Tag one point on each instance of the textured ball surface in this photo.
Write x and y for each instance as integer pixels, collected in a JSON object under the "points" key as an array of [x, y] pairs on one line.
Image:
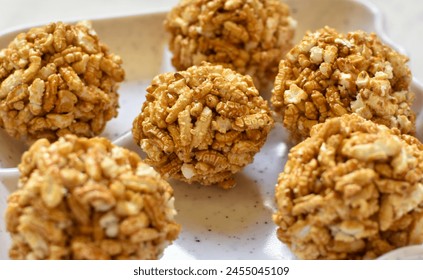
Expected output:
{"points": [[353, 190], [329, 74], [58, 79], [248, 36], [202, 125], [82, 198]]}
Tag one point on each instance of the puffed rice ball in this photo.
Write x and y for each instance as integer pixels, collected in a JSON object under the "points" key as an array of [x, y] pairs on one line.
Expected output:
{"points": [[329, 74], [202, 125], [249, 36], [82, 198], [353, 190], [58, 79]]}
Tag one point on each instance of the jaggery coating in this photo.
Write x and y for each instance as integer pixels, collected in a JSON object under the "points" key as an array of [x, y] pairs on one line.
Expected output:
{"points": [[58, 79], [202, 125], [250, 37], [329, 74], [353, 190], [81, 198]]}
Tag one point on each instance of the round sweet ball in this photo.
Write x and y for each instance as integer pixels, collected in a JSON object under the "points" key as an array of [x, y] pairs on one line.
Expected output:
{"points": [[81, 198], [329, 74], [202, 125], [249, 36], [353, 190], [58, 79]]}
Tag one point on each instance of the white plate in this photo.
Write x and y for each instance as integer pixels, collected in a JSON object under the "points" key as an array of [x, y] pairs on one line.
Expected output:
{"points": [[414, 252], [216, 224]]}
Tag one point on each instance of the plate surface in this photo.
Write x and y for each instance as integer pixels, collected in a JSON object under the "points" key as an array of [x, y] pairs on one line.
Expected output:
{"points": [[413, 252], [216, 224]]}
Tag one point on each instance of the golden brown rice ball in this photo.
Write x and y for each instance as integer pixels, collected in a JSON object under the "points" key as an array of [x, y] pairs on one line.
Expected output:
{"points": [[352, 190], [248, 36], [329, 74], [82, 198], [58, 79], [202, 125]]}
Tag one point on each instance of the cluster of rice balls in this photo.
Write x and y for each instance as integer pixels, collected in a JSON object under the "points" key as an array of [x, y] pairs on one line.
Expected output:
{"points": [[352, 189], [80, 196], [59, 83]]}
